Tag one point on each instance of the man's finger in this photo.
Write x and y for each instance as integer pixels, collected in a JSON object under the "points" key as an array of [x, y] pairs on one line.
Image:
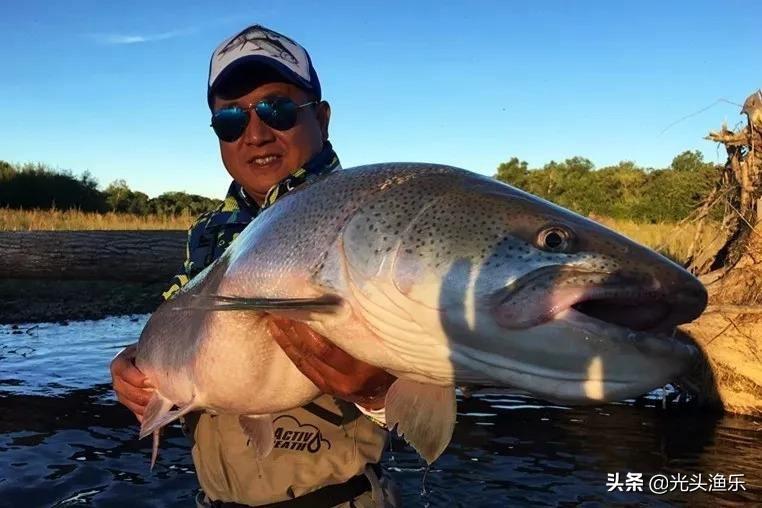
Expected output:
{"points": [[282, 332], [122, 385], [336, 383], [312, 344], [311, 341], [122, 367], [132, 393], [314, 375], [331, 369], [134, 377], [284, 340]]}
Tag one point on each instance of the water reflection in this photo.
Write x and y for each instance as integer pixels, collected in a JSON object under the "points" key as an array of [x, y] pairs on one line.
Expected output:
{"points": [[64, 441]]}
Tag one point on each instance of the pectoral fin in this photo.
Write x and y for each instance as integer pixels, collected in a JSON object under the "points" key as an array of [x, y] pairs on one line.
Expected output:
{"points": [[424, 415], [325, 303], [158, 413], [259, 429], [156, 416], [156, 408], [155, 447]]}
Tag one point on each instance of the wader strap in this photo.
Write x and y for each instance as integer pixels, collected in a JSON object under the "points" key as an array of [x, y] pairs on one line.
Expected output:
{"points": [[326, 497], [324, 414]]}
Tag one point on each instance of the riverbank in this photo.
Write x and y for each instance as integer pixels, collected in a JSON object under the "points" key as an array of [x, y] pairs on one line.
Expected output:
{"points": [[34, 301], [671, 239]]}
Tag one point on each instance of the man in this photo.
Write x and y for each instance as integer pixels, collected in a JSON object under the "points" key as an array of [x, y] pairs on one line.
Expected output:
{"points": [[273, 129]]}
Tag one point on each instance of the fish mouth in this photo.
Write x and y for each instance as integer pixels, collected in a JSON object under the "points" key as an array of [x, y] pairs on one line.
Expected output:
{"points": [[635, 301], [627, 313], [658, 312]]}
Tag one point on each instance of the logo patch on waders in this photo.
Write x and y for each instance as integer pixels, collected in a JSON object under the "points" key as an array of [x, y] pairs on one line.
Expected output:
{"points": [[291, 434]]}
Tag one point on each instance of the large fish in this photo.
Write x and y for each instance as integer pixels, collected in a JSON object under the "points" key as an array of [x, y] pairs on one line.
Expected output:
{"points": [[441, 277]]}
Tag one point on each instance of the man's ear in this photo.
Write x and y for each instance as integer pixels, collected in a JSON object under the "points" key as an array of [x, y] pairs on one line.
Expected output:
{"points": [[324, 118]]}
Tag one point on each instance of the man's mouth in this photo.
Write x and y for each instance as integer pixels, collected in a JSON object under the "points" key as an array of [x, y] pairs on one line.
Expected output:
{"points": [[264, 160]]}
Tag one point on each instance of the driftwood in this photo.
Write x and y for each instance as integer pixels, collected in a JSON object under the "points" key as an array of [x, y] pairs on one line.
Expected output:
{"points": [[135, 256], [730, 332], [740, 186]]}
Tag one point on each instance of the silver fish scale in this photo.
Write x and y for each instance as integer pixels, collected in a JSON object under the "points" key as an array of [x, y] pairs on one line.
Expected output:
{"points": [[405, 216], [461, 227], [295, 234]]}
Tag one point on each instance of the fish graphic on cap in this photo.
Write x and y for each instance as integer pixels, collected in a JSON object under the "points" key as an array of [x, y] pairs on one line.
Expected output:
{"points": [[263, 39]]}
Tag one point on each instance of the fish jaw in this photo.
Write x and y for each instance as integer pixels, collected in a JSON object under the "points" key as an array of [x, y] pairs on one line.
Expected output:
{"points": [[607, 336], [623, 363], [573, 359]]}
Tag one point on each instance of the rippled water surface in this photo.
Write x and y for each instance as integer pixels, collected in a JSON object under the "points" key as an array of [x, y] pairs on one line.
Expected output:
{"points": [[64, 441]]}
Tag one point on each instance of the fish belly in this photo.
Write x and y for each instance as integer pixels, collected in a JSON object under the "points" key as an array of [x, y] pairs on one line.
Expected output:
{"points": [[240, 369]]}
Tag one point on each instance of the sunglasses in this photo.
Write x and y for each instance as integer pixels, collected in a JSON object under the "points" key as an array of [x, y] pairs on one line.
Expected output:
{"points": [[278, 113]]}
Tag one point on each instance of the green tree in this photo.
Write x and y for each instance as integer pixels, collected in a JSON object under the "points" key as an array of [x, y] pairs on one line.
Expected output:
{"points": [[139, 204], [690, 161], [617, 190], [175, 203], [36, 185], [7, 171], [621, 191], [567, 183], [513, 172], [118, 196]]}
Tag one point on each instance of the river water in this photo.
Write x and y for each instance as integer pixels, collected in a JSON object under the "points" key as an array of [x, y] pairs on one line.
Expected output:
{"points": [[65, 441]]}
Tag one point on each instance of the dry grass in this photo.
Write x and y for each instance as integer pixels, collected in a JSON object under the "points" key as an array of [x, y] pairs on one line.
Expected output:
{"points": [[27, 220], [669, 239]]}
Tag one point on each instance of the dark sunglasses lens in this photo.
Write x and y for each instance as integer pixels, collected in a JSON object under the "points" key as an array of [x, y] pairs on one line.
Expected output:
{"points": [[230, 123], [280, 113]]}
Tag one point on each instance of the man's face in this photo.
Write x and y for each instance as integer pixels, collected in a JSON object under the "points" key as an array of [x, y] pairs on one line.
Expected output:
{"points": [[263, 156]]}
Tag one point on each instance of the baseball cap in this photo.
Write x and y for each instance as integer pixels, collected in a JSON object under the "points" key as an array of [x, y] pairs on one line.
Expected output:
{"points": [[255, 46]]}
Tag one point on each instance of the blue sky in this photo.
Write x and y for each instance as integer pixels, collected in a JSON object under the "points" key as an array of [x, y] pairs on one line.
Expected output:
{"points": [[119, 88]]}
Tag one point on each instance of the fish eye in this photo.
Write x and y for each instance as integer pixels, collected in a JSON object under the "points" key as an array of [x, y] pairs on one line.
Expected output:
{"points": [[555, 239]]}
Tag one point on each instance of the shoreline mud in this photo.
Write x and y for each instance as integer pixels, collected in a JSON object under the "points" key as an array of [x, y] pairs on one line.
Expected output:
{"points": [[37, 301]]}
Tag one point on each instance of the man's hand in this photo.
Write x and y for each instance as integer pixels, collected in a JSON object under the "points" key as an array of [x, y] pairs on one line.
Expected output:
{"points": [[330, 368], [131, 386]]}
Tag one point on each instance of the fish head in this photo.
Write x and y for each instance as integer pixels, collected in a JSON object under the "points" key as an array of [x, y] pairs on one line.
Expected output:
{"points": [[548, 301], [600, 309], [566, 266]]}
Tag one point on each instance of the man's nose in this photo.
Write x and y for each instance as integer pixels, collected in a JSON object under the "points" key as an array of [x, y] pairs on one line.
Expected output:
{"points": [[257, 132]]}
